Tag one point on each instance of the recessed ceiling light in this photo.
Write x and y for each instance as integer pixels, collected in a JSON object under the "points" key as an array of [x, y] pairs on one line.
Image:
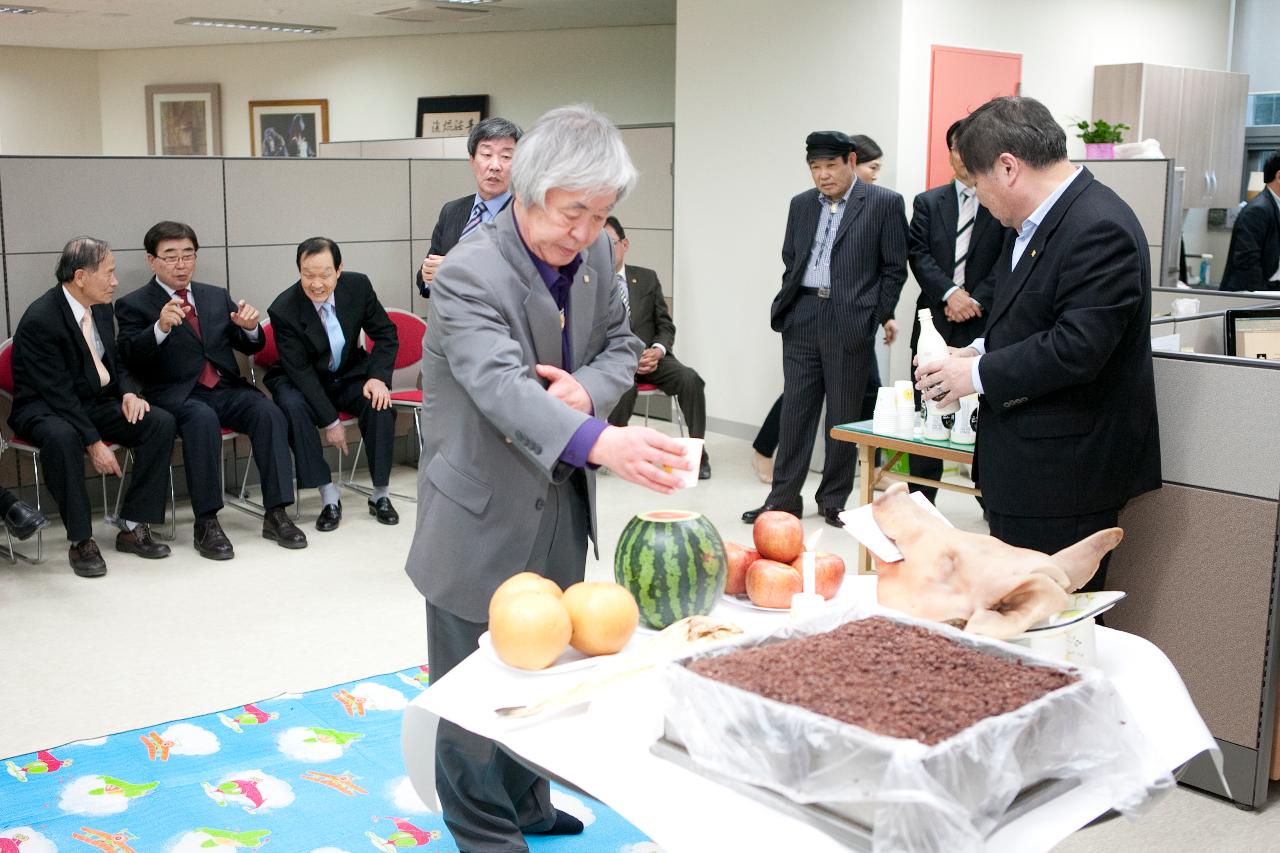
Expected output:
{"points": [[20, 10], [258, 26], [464, 2]]}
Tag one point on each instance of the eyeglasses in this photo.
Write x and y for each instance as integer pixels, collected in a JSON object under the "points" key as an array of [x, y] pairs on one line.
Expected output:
{"points": [[174, 260]]}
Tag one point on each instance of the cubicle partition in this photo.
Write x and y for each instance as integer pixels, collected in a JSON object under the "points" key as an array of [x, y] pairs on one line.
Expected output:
{"points": [[1210, 300]]}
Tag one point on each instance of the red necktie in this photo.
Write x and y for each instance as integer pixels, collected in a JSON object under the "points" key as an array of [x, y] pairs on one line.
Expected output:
{"points": [[208, 376]]}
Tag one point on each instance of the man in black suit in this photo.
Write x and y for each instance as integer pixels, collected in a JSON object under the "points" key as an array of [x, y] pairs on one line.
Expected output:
{"points": [[1253, 261], [491, 144], [323, 370], [72, 396], [952, 248], [845, 259], [1067, 428], [179, 336], [652, 324]]}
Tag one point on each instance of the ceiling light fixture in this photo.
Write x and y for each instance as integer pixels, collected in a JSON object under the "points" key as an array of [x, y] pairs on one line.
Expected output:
{"points": [[464, 2], [257, 26], [20, 10]]}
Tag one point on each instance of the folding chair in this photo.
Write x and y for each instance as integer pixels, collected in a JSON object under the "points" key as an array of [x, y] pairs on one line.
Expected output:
{"points": [[646, 390]]}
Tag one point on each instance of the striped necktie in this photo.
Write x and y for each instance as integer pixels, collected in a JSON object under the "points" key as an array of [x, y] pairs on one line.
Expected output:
{"points": [[477, 216], [622, 291], [964, 230]]}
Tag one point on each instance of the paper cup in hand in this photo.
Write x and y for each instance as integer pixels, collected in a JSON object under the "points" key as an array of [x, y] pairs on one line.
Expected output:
{"points": [[692, 452]]}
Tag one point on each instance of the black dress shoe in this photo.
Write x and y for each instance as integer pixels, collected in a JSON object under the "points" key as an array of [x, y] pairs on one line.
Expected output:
{"points": [[329, 517], [23, 521], [86, 559], [384, 511], [277, 527], [139, 541], [704, 468], [796, 509], [566, 824], [831, 514], [211, 542]]}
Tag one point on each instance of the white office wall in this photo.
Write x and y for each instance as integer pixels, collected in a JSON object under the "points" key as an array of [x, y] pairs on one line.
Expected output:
{"points": [[49, 101], [373, 84], [1254, 50]]}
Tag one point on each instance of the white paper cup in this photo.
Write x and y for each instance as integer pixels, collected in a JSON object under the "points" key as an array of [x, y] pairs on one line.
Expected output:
{"points": [[1185, 307], [692, 452]]}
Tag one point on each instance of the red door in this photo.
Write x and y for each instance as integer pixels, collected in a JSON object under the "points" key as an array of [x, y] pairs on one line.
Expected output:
{"points": [[962, 80]]}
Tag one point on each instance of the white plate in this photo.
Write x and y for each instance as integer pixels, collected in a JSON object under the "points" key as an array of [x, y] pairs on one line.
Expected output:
{"points": [[741, 600], [570, 660]]}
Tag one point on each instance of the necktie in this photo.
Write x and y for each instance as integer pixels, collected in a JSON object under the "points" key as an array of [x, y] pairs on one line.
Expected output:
{"points": [[964, 230], [477, 216], [337, 340], [626, 297], [209, 375], [86, 327]]}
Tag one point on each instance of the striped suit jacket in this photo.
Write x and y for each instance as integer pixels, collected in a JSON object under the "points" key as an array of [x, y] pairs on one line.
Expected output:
{"points": [[868, 260]]}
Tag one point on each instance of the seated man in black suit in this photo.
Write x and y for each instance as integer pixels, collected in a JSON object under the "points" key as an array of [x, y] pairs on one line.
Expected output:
{"points": [[1253, 261], [72, 396], [323, 370], [179, 336], [491, 145], [651, 323]]}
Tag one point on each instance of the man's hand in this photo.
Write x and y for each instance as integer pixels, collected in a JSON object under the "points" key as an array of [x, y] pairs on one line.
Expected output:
{"points": [[960, 306], [429, 265], [172, 314], [104, 461], [133, 407], [375, 391], [565, 388], [890, 330], [245, 316], [639, 454], [336, 436], [948, 379], [649, 360]]}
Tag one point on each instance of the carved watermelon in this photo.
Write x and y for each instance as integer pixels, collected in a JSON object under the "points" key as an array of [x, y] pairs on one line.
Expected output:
{"points": [[673, 562]]}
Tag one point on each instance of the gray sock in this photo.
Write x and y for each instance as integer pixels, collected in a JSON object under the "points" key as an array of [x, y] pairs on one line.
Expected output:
{"points": [[330, 494], [380, 492], [126, 525]]}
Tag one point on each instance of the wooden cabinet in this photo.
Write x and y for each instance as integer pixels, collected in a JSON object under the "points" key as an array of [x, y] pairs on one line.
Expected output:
{"points": [[1197, 115]]}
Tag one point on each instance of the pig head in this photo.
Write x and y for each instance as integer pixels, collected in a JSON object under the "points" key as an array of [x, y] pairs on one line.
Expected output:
{"points": [[976, 581]]}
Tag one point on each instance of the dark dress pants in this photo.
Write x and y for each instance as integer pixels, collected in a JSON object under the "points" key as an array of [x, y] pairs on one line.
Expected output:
{"points": [[766, 442], [376, 427], [1050, 535], [675, 380], [62, 456], [489, 799], [246, 410], [817, 364]]}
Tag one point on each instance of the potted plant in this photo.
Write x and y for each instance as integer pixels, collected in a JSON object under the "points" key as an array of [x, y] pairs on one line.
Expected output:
{"points": [[1100, 140]]}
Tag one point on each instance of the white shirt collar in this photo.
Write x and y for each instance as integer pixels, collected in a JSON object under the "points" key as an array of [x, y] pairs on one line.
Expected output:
{"points": [[622, 272], [77, 310], [961, 189], [331, 302], [1274, 197], [1037, 216]]}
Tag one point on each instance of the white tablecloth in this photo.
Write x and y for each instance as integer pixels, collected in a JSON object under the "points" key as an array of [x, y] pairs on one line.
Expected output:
{"points": [[604, 749]]}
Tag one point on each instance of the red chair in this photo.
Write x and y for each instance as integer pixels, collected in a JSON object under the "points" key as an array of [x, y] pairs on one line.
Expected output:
{"points": [[646, 390], [406, 392]]}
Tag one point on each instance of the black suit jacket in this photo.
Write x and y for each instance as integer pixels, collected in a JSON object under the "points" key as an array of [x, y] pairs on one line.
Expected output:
{"points": [[1067, 421], [454, 216], [169, 370], [868, 260], [53, 370], [304, 346], [931, 251], [1255, 246], [650, 320]]}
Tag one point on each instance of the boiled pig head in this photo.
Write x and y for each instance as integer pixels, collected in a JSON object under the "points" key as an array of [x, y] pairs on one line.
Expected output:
{"points": [[973, 580]]}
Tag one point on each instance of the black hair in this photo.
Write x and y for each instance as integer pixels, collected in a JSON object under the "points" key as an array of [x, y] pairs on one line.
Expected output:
{"points": [[1271, 167], [168, 230], [956, 127], [613, 223], [80, 253], [494, 127], [316, 245], [1023, 127], [865, 148]]}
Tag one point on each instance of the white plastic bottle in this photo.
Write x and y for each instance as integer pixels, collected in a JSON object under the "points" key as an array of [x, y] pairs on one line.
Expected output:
{"points": [[931, 347]]}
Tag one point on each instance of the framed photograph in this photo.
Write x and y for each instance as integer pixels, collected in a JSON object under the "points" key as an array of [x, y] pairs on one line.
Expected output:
{"points": [[184, 120], [288, 128], [450, 115]]}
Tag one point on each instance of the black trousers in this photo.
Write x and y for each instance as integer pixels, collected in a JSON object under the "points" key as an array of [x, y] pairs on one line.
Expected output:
{"points": [[675, 380], [62, 455], [7, 500], [1050, 535], [246, 410], [377, 428], [489, 799], [766, 442]]}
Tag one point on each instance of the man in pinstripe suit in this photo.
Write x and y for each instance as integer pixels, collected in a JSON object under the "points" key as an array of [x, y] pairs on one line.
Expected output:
{"points": [[845, 259]]}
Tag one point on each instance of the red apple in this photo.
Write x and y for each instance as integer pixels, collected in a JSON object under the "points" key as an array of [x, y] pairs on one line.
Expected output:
{"points": [[828, 572], [771, 584], [778, 536], [740, 558]]}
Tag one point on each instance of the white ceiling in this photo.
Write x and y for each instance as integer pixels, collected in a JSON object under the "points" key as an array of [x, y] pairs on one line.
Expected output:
{"points": [[117, 24]]}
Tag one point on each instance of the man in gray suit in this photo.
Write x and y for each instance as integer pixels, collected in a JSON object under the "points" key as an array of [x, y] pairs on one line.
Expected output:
{"points": [[529, 348]]}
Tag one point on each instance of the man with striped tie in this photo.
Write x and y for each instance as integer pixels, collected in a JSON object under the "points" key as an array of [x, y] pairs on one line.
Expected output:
{"points": [[952, 248], [491, 145]]}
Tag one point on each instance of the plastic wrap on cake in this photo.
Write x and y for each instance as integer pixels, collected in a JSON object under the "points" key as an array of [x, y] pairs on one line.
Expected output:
{"points": [[945, 797]]}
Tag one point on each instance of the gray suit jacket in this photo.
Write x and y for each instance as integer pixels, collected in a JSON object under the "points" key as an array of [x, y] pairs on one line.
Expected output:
{"points": [[492, 434]]}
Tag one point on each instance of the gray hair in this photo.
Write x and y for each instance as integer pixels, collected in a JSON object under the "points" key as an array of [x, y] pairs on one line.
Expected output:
{"points": [[494, 127], [80, 253], [571, 148]]}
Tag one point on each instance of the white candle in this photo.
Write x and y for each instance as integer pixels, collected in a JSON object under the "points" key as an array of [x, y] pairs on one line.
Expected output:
{"points": [[809, 563]]}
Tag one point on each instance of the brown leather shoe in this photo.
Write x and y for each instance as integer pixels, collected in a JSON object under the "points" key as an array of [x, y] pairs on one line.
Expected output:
{"points": [[139, 541], [86, 559], [277, 527], [211, 542]]}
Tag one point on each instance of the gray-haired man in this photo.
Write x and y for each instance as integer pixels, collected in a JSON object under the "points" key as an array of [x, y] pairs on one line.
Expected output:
{"points": [[529, 349], [491, 145]]}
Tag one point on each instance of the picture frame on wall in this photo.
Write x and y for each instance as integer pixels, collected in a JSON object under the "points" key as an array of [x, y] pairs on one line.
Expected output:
{"points": [[184, 119], [450, 115], [288, 128]]}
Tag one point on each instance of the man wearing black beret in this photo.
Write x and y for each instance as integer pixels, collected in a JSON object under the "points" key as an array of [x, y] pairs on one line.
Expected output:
{"points": [[844, 255]]}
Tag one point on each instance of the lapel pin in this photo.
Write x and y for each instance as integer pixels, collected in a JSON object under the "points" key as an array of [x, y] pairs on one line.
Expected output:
{"points": [[586, 279], [1033, 253]]}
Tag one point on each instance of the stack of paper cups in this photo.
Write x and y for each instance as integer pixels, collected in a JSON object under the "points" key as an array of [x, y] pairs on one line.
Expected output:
{"points": [[885, 418], [906, 406]]}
